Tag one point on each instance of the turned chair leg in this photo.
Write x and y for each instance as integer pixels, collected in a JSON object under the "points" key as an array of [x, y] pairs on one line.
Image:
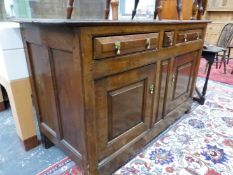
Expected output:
{"points": [[225, 68], [220, 64], [223, 60], [216, 61], [228, 55]]}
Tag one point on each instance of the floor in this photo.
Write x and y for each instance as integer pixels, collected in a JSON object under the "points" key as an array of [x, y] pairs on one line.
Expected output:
{"points": [[199, 143], [217, 74], [14, 160]]}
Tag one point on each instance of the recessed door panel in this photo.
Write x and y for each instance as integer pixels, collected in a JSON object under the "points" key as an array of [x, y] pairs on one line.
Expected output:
{"points": [[123, 108], [69, 97], [183, 75], [42, 76], [163, 83], [181, 79]]}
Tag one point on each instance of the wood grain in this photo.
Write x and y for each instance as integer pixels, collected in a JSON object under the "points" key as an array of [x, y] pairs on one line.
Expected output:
{"points": [[101, 107]]}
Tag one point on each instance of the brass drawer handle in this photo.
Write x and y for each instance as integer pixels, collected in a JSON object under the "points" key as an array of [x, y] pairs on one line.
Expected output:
{"points": [[185, 37], [118, 47], [148, 43], [152, 89]]}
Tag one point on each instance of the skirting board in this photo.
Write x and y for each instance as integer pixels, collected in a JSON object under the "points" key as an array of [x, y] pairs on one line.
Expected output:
{"points": [[2, 106], [30, 143]]}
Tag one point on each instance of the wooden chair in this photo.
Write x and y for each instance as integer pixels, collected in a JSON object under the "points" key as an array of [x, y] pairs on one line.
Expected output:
{"points": [[184, 9], [224, 41], [69, 9], [163, 9]]}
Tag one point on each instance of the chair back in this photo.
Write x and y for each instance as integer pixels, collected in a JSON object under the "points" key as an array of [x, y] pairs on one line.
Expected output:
{"points": [[226, 36], [169, 9]]}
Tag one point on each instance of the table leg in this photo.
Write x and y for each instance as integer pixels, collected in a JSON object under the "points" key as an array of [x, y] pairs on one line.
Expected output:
{"points": [[201, 99], [207, 78]]}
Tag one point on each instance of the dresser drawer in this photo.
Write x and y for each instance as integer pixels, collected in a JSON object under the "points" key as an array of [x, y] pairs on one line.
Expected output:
{"points": [[125, 44], [188, 35], [168, 38]]}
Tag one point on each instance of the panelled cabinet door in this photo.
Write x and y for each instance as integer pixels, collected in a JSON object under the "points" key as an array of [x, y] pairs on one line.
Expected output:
{"points": [[162, 89], [123, 108], [44, 89], [181, 79]]}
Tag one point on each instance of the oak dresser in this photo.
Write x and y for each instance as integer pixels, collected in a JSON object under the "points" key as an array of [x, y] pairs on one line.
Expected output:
{"points": [[104, 89]]}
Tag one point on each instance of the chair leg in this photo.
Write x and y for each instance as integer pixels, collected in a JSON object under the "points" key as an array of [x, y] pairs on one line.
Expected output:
{"points": [[220, 64], [228, 55], [224, 62], [216, 61], [225, 68], [224, 59]]}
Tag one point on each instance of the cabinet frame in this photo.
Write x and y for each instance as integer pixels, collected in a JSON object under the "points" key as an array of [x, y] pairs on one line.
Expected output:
{"points": [[77, 39]]}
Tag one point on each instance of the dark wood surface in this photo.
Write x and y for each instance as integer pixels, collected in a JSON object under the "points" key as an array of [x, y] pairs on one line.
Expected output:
{"points": [[100, 106]]}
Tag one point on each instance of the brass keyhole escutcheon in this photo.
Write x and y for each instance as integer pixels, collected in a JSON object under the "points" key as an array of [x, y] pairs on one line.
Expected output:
{"points": [[152, 88], [148, 43], [185, 38], [198, 37], [173, 79], [118, 47]]}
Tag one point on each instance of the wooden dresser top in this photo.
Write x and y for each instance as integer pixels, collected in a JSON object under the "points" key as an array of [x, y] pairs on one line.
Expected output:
{"points": [[106, 22]]}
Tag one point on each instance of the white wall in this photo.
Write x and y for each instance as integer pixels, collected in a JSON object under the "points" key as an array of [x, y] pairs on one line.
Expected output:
{"points": [[12, 58], [3, 72]]}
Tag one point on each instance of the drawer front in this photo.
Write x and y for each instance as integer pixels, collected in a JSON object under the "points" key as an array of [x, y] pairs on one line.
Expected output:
{"points": [[168, 39], [189, 35], [109, 46]]}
